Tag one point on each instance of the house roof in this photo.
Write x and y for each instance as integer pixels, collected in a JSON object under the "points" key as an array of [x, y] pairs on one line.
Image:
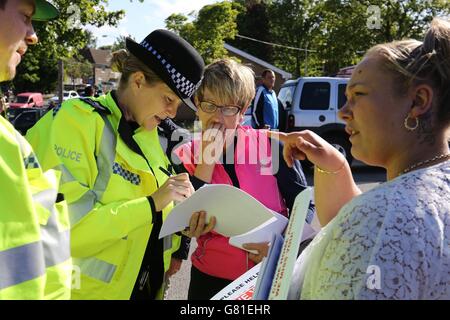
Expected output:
{"points": [[346, 72], [265, 64], [98, 57]]}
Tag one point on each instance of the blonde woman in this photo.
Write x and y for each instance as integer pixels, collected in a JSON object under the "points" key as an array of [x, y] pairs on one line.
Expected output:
{"points": [[229, 153], [392, 242], [113, 169]]}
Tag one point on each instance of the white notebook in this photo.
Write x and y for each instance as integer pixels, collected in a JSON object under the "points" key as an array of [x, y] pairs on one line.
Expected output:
{"points": [[238, 215]]}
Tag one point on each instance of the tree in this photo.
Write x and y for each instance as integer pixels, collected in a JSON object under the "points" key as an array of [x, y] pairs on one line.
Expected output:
{"points": [[119, 43], [294, 23], [207, 33], [338, 32], [343, 35], [61, 39], [176, 22], [404, 19], [350, 28], [91, 40], [78, 67], [253, 22]]}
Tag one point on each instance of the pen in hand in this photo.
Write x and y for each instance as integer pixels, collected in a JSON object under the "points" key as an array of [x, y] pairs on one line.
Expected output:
{"points": [[169, 174], [165, 171]]}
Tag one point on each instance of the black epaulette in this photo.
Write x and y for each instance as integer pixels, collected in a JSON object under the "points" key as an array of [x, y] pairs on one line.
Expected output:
{"points": [[98, 107]]}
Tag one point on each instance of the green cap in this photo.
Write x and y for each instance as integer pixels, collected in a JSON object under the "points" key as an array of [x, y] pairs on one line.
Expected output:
{"points": [[45, 11]]}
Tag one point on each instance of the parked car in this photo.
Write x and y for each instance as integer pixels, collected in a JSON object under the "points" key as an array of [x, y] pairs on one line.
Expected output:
{"points": [[66, 96], [24, 118], [28, 100], [313, 104]]}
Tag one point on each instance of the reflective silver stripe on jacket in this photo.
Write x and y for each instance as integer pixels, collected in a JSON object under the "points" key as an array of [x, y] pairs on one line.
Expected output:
{"points": [[66, 176], [167, 243], [26, 262], [56, 244], [93, 267], [102, 270], [81, 207], [21, 264], [96, 268], [78, 209], [46, 198], [105, 160], [21, 141]]}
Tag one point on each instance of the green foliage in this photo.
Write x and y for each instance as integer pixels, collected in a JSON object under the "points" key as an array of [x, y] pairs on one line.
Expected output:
{"points": [[61, 39], [208, 31], [294, 24], [119, 43], [351, 27], [253, 22], [337, 32], [176, 22], [77, 67]]}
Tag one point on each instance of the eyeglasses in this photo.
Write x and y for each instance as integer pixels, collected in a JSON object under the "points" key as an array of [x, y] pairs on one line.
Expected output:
{"points": [[227, 111]]}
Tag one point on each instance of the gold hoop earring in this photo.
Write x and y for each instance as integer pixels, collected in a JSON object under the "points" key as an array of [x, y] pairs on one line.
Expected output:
{"points": [[408, 127]]}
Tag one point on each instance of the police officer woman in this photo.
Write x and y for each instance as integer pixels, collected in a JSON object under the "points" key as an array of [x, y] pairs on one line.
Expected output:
{"points": [[114, 178]]}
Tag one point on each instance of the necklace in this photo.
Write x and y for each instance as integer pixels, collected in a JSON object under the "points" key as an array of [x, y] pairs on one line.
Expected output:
{"points": [[421, 163]]}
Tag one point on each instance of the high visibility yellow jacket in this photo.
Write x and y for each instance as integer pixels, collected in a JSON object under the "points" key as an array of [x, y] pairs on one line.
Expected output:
{"points": [[34, 230], [106, 185]]}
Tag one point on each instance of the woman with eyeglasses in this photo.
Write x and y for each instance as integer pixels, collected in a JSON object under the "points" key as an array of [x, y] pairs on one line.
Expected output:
{"points": [[228, 153]]}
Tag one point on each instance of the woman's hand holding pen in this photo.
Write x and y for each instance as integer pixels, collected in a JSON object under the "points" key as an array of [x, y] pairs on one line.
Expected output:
{"points": [[176, 188]]}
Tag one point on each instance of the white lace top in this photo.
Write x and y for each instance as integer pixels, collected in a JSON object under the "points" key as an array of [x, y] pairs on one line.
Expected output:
{"points": [[392, 242]]}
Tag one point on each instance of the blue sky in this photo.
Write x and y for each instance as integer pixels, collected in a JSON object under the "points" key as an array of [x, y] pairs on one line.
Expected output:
{"points": [[142, 18]]}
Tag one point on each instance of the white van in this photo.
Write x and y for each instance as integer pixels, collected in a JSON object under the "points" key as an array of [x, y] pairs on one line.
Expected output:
{"points": [[313, 104]]}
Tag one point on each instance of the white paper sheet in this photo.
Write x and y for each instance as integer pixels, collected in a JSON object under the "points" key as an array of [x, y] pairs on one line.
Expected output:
{"points": [[262, 233], [236, 211], [268, 267], [288, 255], [241, 288]]}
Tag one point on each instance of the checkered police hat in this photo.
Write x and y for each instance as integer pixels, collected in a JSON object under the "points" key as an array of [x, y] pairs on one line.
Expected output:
{"points": [[173, 59]]}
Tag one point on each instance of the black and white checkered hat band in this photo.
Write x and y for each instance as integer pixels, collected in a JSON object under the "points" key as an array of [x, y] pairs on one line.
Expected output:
{"points": [[183, 85], [127, 175]]}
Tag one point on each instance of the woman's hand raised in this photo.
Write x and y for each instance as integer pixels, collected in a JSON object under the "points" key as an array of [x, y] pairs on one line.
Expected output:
{"points": [[308, 145]]}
